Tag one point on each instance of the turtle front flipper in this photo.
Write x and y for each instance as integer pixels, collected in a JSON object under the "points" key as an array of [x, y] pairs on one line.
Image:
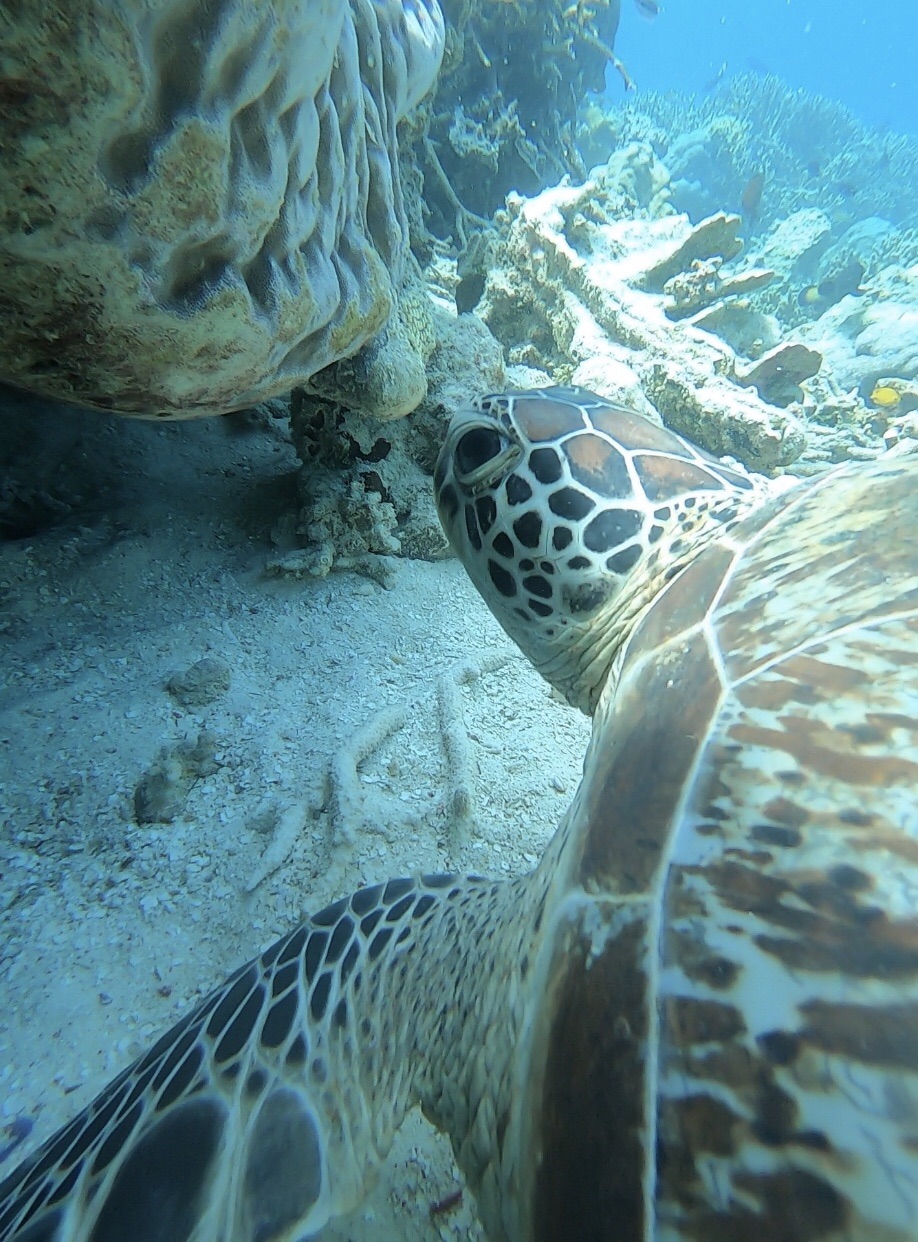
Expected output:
{"points": [[268, 1109]]}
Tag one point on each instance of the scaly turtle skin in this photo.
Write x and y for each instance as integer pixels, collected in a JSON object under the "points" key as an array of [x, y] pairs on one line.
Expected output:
{"points": [[697, 1019]]}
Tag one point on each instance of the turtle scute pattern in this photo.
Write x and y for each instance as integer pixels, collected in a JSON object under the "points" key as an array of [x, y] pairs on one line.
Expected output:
{"points": [[697, 1019], [599, 498], [773, 835], [737, 1056], [267, 1109]]}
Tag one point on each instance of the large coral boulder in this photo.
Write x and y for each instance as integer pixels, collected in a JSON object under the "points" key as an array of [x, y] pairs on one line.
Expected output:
{"points": [[200, 201]]}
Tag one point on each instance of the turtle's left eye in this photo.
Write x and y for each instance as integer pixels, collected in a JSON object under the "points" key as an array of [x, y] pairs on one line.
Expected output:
{"points": [[476, 448]]}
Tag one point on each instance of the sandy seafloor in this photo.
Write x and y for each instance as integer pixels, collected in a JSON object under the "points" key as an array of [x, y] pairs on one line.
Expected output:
{"points": [[110, 929]]}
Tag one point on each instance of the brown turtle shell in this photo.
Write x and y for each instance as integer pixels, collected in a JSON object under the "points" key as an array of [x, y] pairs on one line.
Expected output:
{"points": [[728, 1048]]}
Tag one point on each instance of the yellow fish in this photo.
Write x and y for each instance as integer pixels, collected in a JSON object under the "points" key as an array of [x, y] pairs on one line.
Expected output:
{"points": [[885, 396]]}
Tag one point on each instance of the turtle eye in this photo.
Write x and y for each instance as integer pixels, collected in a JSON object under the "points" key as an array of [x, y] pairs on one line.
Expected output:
{"points": [[476, 448]]}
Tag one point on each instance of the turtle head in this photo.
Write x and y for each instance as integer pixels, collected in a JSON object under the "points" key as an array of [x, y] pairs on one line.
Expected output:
{"points": [[570, 515]]}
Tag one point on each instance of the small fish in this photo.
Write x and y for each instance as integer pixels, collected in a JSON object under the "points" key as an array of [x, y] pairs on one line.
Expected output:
{"points": [[468, 292], [885, 396], [751, 198], [648, 9], [814, 168], [835, 287]]}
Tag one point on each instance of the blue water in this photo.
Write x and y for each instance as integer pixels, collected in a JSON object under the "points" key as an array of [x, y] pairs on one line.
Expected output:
{"points": [[859, 52]]}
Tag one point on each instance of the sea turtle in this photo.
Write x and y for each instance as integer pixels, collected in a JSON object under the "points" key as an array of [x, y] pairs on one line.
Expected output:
{"points": [[697, 1018]]}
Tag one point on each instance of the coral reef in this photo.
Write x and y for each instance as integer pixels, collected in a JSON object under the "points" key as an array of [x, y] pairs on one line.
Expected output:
{"points": [[461, 772], [285, 827], [504, 120], [835, 225], [364, 488], [837, 217], [204, 683], [713, 239], [584, 300], [874, 335], [795, 245], [776, 375], [840, 426], [633, 184], [704, 285], [811, 151], [346, 797], [388, 377], [201, 204], [161, 792]]}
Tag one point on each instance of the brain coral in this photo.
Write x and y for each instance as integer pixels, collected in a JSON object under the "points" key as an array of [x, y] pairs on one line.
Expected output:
{"points": [[201, 203]]}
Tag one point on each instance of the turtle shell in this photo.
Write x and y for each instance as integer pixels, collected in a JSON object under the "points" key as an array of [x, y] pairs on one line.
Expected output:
{"points": [[727, 1044], [697, 1019]]}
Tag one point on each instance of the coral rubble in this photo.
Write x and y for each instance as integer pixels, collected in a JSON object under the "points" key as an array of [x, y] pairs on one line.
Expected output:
{"points": [[593, 305]]}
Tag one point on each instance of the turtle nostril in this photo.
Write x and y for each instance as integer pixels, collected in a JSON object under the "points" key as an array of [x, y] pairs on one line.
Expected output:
{"points": [[476, 448]]}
